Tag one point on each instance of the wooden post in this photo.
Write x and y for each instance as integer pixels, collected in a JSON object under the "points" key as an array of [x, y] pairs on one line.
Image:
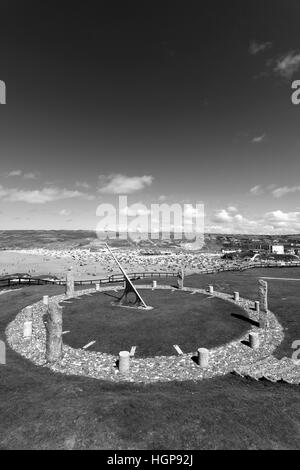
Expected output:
{"points": [[54, 332], [263, 295], [180, 278], [70, 283]]}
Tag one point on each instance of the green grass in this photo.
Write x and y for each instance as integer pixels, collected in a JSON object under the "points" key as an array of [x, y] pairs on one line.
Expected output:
{"points": [[191, 321], [284, 296], [43, 410]]}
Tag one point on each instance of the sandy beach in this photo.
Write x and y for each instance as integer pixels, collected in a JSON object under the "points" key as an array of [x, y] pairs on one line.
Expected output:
{"points": [[87, 264], [40, 265]]}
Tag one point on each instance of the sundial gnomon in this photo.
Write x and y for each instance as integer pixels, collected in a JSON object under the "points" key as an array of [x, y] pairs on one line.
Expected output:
{"points": [[129, 290]]}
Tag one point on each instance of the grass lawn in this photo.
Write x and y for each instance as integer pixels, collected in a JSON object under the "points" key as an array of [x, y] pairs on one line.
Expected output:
{"points": [[191, 321], [43, 410], [284, 296]]}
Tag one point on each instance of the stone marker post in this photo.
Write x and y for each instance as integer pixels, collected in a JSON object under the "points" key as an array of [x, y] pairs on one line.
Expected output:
{"points": [[202, 359], [124, 358], [263, 295], [2, 352], [70, 283], [256, 306], [254, 340], [27, 329], [54, 332], [180, 278], [236, 296], [263, 303]]}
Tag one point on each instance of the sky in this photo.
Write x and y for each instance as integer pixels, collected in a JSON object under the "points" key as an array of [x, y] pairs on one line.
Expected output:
{"points": [[169, 102]]}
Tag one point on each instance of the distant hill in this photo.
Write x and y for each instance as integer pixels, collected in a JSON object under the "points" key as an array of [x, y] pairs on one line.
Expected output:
{"points": [[68, 239]]}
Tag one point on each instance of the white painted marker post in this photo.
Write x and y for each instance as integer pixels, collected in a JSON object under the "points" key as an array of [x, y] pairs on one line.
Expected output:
{"points": [[45, 299], [124, 362], [97, 286], [27, 329], [2, 353], [132, 351], [203, 357], [154, 284], [257, 306], [236, 296], [254, 340], [175, 346], [89, 344], [211, 289]]}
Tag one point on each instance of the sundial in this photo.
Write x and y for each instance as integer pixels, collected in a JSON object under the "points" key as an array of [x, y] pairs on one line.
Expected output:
{"points": [[130, 291]]}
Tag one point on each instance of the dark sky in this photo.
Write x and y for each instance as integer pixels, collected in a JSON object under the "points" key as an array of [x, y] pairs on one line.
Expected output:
{"points": [[170, 90]]}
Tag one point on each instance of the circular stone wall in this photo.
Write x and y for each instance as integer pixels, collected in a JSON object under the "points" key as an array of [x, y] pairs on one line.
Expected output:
{"points": [[100, 365]]}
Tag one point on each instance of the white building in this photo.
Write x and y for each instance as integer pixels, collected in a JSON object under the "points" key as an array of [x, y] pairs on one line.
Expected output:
{"points": [[278, 249]]}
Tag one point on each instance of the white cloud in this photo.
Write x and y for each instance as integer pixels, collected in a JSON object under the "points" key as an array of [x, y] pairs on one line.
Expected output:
{"points": [[65, 212], [256, 47], [230, 222], [257, 190], [276, 192], [82, 184], [29, 176], [222, 216], [122, 184], [286, 66], [40, 196], [275, 222], [15, 173], [279, 192], [258, 139], [284, 221]]}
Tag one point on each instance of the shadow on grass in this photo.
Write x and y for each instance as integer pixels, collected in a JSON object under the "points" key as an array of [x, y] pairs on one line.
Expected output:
{"points": [[112, 295], [244, 318]]}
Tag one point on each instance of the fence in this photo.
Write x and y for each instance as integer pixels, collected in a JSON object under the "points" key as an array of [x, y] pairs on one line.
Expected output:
{"points": [[115, 278]]}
